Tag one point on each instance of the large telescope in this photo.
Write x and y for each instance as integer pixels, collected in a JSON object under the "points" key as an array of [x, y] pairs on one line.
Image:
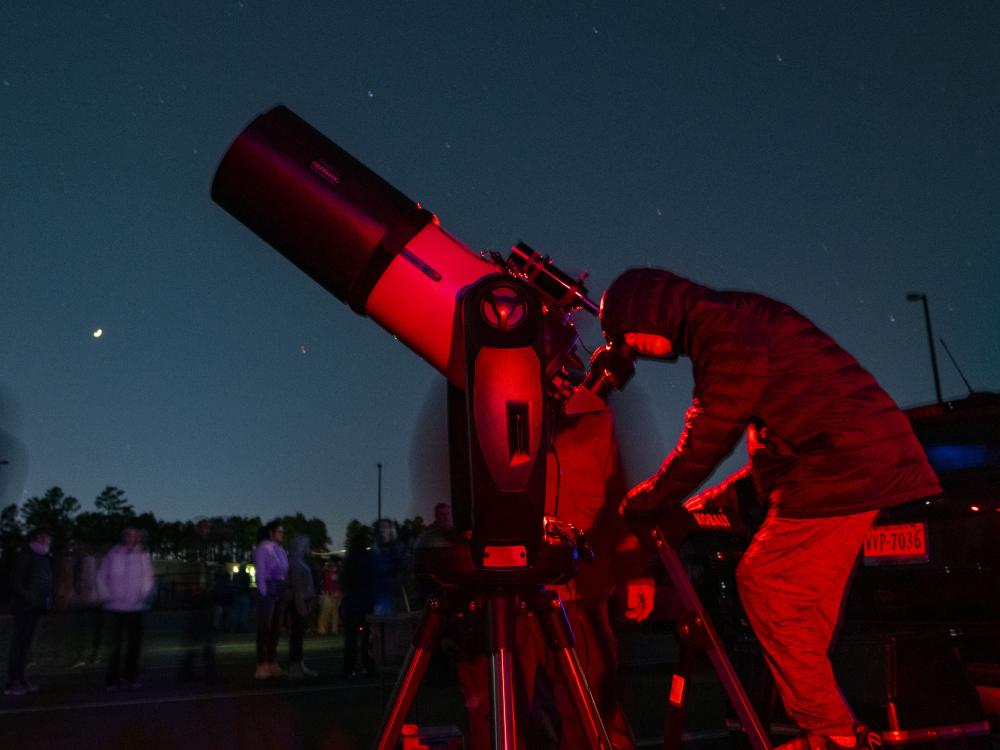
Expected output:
{"points": [[498, 329], [364, 241]]}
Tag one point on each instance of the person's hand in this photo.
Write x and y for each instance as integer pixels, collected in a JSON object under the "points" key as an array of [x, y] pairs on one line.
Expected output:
{"points": [[640, 595], [641, 500]]}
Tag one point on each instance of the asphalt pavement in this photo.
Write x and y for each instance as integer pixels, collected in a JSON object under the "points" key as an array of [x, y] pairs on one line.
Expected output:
{"points": [[73, 708]]}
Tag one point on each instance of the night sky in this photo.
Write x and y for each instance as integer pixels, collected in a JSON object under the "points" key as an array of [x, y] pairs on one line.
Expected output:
{"points": [[833, 155]]}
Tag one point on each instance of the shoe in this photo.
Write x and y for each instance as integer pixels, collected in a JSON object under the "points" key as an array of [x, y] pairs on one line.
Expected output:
{"points": [[865, 739], [805, 741], [296, 671], [15, 689], [31, 688], [263, 672], [79, 663], [275, 670], [308, 672]]}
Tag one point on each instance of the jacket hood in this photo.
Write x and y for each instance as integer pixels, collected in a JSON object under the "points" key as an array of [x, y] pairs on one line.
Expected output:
{"points": [[299, 548], [651, 300]]}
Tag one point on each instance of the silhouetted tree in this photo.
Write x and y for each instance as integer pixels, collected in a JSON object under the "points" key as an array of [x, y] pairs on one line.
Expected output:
{"points": [[410, 529], [147, 523], [170, 538], [313, 528], [11, 537], [358, 536], [319, 538], [54, 511], [248, 537], [10, 529], [94, 528], [112, 502], [237, 537]]}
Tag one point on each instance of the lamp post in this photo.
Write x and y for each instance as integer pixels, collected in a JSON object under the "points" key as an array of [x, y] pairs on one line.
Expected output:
{"points": [[921, 297], [379, 491]]}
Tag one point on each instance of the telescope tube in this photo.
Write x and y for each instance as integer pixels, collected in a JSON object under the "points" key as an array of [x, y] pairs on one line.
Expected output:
{"points": [[352, 232]]}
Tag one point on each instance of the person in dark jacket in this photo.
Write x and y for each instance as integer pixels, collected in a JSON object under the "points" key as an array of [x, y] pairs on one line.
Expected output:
{"points": [[387, 557], [358, 602], [303, 602], [31, 589], [828, 448]]}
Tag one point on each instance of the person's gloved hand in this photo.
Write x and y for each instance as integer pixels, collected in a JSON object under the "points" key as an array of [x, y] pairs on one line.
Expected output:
{"points": [[641, 501], [640, 595]]}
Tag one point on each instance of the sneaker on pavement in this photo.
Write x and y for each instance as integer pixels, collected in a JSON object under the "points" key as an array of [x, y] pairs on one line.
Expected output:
{"points": [[296, 672], [263, 672], [308, 672], [15, 689], [867, 739], [30, 687], [275, 670], [864, 739], [802, 742]]}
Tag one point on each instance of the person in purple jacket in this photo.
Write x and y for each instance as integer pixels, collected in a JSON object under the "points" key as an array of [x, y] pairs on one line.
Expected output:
{"points": [[271, 564], [124, 584]]}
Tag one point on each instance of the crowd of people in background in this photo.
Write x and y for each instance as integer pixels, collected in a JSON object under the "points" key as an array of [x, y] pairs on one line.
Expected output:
{"points": [[111, 595], [98, 602]]}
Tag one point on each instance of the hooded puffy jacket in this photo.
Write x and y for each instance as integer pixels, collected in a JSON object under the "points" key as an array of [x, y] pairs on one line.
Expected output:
{"points": [[300, 576], [824, 438]]}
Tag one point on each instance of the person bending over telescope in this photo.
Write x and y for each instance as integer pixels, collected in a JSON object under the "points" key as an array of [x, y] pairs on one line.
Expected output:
{"points": [[828, 448]]}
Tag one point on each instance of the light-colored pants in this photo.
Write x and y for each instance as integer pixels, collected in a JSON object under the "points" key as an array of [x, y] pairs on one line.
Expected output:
{"points": [[791, 581], [328, 620]]}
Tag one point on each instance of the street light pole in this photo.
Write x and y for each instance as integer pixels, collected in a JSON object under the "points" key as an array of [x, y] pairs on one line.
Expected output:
{"points": [[379, 491], [921, 297]]}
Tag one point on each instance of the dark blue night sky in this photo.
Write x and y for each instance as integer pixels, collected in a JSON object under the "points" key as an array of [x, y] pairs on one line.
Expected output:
{"points": [[833, 155]]}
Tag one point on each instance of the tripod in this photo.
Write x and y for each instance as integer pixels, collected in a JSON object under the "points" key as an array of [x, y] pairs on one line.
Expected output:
{"points": [[503, 596], [695, 632]]}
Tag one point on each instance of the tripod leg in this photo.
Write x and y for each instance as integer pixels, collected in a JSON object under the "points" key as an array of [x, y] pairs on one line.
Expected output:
{"points": [[673, 724], [501, 609], [424, 642], [559, 636], [701, 634]]}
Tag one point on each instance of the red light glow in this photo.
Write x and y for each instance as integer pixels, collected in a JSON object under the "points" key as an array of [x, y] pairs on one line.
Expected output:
{"points": [[677, 685]]}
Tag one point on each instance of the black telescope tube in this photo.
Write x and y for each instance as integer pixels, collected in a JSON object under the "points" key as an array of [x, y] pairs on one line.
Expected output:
{"points": [[316, 204]]}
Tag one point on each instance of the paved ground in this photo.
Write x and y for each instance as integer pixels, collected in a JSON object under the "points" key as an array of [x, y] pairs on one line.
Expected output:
{"points": [[73, 709]]}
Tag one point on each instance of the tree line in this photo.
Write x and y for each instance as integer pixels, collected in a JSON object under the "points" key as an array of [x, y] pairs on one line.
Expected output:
{"points": [[227, 538]]}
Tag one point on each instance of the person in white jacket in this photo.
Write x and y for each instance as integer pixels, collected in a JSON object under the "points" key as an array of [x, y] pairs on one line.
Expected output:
{"points": [[124, 584]]}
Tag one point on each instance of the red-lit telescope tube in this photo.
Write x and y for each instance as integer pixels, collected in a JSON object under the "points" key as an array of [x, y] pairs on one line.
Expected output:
{"points": [[351, 231]]}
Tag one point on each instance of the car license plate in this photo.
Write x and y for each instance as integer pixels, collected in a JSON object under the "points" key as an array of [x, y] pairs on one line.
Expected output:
{"points": [[896, 544]]}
